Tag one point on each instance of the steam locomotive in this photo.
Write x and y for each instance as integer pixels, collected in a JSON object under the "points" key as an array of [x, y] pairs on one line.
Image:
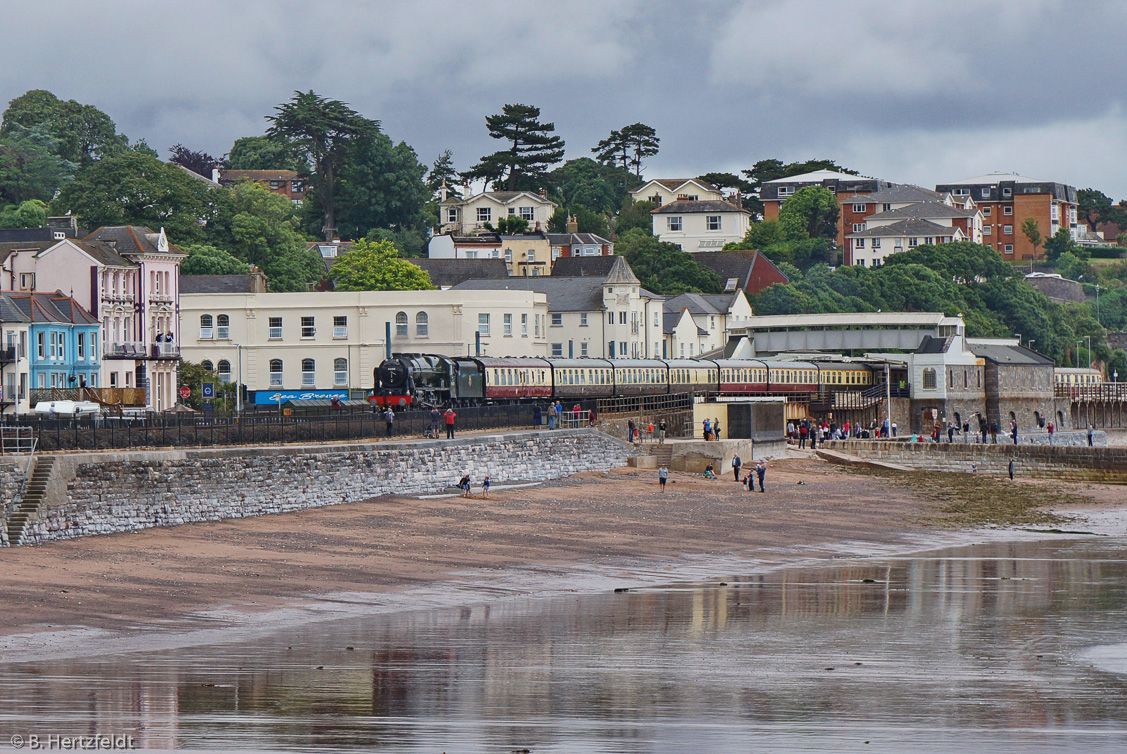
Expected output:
{"points": [[430, 380]]}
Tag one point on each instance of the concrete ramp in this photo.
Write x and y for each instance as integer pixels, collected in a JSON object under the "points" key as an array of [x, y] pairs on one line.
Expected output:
{"points": [[844, 459]]}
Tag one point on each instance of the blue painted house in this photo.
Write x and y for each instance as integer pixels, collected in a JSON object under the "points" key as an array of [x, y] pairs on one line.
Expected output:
{"points": [[62, 348]]}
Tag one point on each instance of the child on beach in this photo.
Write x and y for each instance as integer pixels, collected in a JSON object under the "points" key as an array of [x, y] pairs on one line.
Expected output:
{"points": [[485, 486], [464, 485], [662, 476]]}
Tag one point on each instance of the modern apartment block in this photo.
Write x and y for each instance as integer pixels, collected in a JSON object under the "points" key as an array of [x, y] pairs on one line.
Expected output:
{"points": [[1007, 200], [843, 185]]}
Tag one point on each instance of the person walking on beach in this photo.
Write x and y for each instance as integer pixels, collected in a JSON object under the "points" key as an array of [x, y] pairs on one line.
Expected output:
{"points": [[631, 430], [450, 415], [389, 420], [1011, 469], [662, 476], [485, 486], [760, 472], [464, 485], [736, 464]]}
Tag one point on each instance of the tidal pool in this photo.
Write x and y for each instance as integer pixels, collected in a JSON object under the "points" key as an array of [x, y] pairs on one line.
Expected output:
{"points": [[1002, 647]]}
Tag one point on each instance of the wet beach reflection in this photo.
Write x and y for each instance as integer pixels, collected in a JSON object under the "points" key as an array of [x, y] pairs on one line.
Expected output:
{"points": [[988, 646]]}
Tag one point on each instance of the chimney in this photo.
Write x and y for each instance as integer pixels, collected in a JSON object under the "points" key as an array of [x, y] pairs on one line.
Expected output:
{"points": [[215, 174], [543, 194], [442, 191], [572, 224]]}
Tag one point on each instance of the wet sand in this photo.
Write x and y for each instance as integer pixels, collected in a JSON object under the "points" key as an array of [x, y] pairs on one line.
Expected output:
{"points": [[168, 578]]}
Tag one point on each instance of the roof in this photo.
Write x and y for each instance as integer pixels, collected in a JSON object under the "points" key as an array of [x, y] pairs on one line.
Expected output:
{"points": [[924, 210], [669, 320], [682, 206], [217, 284], [193, 174], [817, 175], [572, 239], [675, 183], [502, 197], [620, 273], [230, 176], [15, 235], [932, 344], [700, 303], [569, 294], [908, 228], [446, 273], [1008, 355], [848, 319], [738, 264], [47, 307], [104, 253], [584, 267], [9, 312], [992, 178], [896, 193], [133, 239]]}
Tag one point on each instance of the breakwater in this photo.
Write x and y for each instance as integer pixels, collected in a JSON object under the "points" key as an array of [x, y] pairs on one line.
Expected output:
{"points": [[103, 493]]}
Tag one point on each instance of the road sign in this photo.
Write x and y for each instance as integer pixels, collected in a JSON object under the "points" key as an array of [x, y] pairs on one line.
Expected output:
{"points": [[207, 390], [185, 391]]}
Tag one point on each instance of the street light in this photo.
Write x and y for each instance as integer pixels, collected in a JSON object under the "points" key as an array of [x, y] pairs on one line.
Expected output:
{"points": [[239, 377], [1098, 304], [1089, 339], [1078, 353]]}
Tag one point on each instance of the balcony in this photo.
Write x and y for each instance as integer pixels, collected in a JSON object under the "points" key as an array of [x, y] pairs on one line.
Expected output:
{"points": [[130, 349], [7, 354], [166, 350]]}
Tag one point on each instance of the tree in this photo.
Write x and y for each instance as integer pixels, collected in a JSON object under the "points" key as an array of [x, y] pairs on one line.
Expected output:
{"points": [[260, 228], [442, 173], [772, 169], [264, 153], [208, 260], [381, 185], [194, 376], [1093, 206], [584, 182], [635, 215], [84, 132], [131, 188], [533, 149], [200, 163], [663, 268], [321, 130], [508, 226], [29, 214], [1071, 266], [811, 212], [1058, 244], [30, 167], [1032, 231], [376, 266], [628, 147], [732, 182]]}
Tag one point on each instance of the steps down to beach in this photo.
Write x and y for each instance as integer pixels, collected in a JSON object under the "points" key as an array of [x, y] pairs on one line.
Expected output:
{"points": [[663, 454], [32, 500]]}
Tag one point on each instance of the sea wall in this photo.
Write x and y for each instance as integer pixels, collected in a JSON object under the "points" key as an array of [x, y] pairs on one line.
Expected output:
{"points": [[117, 492], [1073, 463], [11, 476]]}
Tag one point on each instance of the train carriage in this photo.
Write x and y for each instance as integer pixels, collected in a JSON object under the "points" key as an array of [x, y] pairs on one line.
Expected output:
{"points": [[692, 376], [837, 376], [640, 377], [515, 379], [742, 375], [582, 378], [792, 376]]}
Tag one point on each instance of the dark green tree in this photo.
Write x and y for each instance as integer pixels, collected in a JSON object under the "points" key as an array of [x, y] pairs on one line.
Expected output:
{"points": [[1058, 244], [584, 182], [812, 212], [634, 216], [208, 260], [629, 147], [322, 131], [508, 226], [376, 266], [381, 185], [200, 163], [663, 268], [84, 133], [533, 149], [30, 167], [442, 173], [264, 153], [29, 214]]}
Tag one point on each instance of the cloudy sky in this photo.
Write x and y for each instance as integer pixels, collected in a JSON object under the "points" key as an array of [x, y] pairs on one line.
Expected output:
{"points": [[924, 91]]}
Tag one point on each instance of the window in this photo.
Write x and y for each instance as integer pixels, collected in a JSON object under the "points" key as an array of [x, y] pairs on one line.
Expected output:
{"points": [[451, 214], [340, 327], [929, 379], [524, 325], [508, 256], [913, 242], [555, 253], [886, 208], [81, 346], [1009, 248], [484, 214], [275, 372], [297, 187], [622, 351], [223, 370], [583, 319], [860, 207], [987, 230], [861, 262], [876, 243], [583, 350], [206, 324], [557, 320], [483, 324], [422, 325], [507, 325], [308, 330], [340, 372], [557, 350], [401, 325], [1007, 192], [1008, 230], [986, 211], [531, 256], [674, 223], [275, 328], [308, 373], [275, 185], [223, 327], [985, 192], [784, 191], [610, 318], [1007, 211], [527, 213], [657, 322], [207, 365], [712, 222], [858, 243], [858, 227], [622, 318]]}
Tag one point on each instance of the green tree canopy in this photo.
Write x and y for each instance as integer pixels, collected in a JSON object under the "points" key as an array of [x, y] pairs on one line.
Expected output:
{"points": [[381, 185], [635, 216], [811, 212], [1058, 244], [208, 260], [30, 167], [442, 172], [628, 148], [131, 188], [663, 268], [533, 149], [321, 130], [29, 214], [83, 132], [586, 183], [264, 153], [376, 266]]}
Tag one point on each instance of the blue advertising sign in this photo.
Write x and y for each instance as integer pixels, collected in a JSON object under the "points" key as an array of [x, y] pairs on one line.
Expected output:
{"points": [[267, 397], [207, 390]]}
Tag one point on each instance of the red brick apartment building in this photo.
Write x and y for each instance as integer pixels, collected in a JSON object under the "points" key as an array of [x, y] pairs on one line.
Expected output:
{"points": [[286, 183]]}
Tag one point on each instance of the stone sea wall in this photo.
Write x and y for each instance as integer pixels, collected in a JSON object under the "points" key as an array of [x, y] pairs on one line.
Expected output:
{"points": [[11, 477], [111, 493], [1072, 463]]}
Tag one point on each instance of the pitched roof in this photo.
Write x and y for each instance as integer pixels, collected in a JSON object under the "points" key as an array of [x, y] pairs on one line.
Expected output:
{"points": [[584, 267], [133, 239], [992, 178], [700, 303], [193, 174], [104, 254], [908, 228], [738, 264], [817, 175], [682, 206], [502, 197], [24, 235], [569, 294], [670, 320], [932, 344], [446, 273], [1008, 355], [923, 211], [620, 273], [229, 176], [896, 193], [9, 312], [571, 239], [217, 284], [47, 307], [675, 183]]}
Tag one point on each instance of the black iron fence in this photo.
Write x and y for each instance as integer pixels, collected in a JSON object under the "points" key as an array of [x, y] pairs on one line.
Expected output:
{"points": [[194, 430]]}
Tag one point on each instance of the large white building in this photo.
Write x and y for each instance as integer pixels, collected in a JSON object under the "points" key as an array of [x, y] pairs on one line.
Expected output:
{"points": [[704, 225], [468, 216], [319, 343], [662, 191]]}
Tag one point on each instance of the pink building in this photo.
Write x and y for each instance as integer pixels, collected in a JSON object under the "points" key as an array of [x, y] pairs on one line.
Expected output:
{"points": [[128, 278]]}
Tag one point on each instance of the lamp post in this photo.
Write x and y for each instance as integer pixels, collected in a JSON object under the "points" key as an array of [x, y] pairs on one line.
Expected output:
{"points": [[1098, 304], [239, 377], [1089, 339], [1078, 353]]}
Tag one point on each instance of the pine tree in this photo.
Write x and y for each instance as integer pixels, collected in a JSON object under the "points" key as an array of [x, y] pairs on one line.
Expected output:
{"points": [[534, 149], [628, 147], [442, 171]]}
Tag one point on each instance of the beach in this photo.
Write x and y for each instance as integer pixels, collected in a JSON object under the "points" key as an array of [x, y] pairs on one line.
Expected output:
{"points": [[176, 578]]}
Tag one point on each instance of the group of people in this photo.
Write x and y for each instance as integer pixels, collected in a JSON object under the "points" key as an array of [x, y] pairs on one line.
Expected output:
{"points": [[436, 418], [809, 432], [466, 485], [165, 337], [557, 415], [760, 471], [656, 431], [712, 429]]}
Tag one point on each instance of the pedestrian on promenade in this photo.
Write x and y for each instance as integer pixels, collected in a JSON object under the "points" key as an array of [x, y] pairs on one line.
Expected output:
{"points": [[803, 433], [950, 432], [662, 476], [894, 429], [652, 431], [552, 416], [435, 419], [537, 416], [661, 432], [760, 472], [1051, 429], [1089, 435], [814, 437], [736, 464], [389, 420], [1011, 469], [631, 431], [707, 429], [716, 428], [1013, 431], [450, 415], [993, 433]]}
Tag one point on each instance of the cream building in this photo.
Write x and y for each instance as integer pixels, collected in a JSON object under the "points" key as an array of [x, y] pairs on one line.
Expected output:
{"points": [[713, 313], [468, 216], [662, 191], [704, 225], [525, 255], [332, 341]]}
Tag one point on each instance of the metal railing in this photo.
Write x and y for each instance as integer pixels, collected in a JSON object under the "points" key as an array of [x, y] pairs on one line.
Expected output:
{"points": [[1108, 391], [128, 397], [7, 354]]}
